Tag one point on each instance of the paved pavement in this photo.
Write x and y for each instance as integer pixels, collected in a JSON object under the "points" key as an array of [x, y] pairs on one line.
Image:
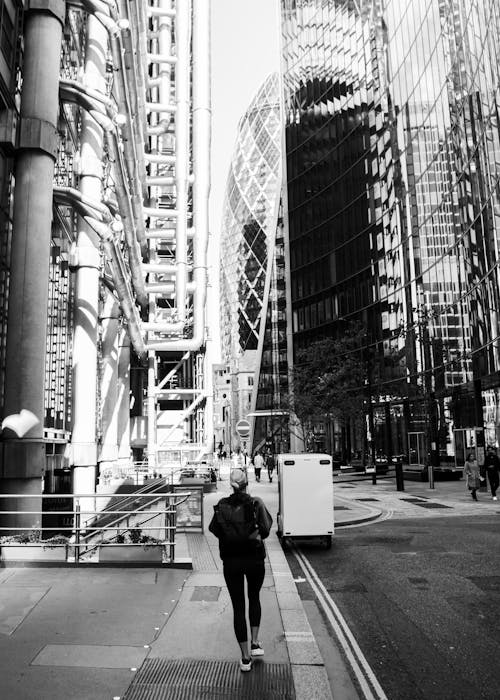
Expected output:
{"points": [[358, 502], [107, 633]]}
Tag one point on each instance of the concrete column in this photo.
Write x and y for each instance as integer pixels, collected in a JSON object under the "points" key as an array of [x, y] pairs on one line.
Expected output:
{"points": [[84, 448], [108, 453], [23, 455], [123, 400]]}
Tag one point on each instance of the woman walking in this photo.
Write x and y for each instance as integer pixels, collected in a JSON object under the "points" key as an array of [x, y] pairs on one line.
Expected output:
{"points": [[471, 471], [240, 523]]}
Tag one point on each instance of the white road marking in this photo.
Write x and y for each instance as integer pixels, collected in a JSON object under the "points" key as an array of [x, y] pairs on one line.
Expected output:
{"points": [[363, 672]]}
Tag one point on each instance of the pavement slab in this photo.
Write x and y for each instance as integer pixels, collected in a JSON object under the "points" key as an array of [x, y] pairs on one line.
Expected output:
{"points": [[15, 604], [90, 656]]}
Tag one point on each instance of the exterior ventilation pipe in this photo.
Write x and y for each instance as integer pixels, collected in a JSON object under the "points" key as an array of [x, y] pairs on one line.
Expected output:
{"points": [[119, 39], [201, 172], [182, 97], [108, 231], [96, 105]]}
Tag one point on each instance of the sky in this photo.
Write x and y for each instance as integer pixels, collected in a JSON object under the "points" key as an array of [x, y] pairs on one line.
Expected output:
{"points": [[245, 50]]}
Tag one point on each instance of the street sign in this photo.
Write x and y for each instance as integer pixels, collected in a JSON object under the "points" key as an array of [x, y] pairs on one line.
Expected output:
{"points": [[243, 428]]}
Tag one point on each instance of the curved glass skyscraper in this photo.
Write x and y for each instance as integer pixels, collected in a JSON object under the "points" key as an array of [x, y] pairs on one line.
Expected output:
{"points": [[392, 174], [252, 284]]}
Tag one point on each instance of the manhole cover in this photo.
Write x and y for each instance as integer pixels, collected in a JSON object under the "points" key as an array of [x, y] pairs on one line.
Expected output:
{"points": [[340, 508], [432, 505], [206, 593], [191, 679]]}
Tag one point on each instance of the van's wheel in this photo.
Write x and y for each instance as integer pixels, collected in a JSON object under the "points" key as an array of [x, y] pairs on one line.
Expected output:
{"points": [[328, 541]]}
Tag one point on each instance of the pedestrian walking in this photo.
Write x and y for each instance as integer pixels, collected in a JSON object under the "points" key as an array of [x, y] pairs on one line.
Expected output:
{"points": [[471, 471], [270, 465], [241, 523], [258, 463], [492, 464], [238, 461]]}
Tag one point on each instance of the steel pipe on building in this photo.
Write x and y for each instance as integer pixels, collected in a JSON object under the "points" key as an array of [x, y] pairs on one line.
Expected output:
{"points": [[78, 93], [84, 438], [123, 401], [89, 210], [201, 172], [23, 456], [182, 101], [160, 11], [158, 158], [121, 286], [160, 213], [109, 320]]}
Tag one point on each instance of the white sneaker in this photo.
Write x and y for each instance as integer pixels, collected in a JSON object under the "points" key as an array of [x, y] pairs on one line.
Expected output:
{"points": [[245, 665], [495, 498], [256, 649]]}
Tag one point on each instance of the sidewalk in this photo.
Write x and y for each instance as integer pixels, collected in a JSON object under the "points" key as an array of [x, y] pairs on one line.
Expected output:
{"points": [[102, 634], [361, 501]]}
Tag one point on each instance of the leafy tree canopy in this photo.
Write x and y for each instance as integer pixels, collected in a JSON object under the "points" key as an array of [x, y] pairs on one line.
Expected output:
{"points": [[329, 377]]}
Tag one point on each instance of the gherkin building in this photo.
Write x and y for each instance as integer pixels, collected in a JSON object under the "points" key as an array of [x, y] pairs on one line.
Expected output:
{"points": [[252, 275]]}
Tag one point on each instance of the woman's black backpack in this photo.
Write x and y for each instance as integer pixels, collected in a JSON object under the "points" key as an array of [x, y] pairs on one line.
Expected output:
{"points": [[236, 520]]}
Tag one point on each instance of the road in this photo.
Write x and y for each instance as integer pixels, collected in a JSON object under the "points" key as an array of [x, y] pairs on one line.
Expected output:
{"points": [[422, 600]]}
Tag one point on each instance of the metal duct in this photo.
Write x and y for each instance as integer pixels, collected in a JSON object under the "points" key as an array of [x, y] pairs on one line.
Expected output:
{"points": [[75, 92], [107, 230], [201, 172]]}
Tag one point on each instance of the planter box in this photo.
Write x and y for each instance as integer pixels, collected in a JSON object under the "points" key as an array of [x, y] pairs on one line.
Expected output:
{"points": [[33, 552], [131, 553]]}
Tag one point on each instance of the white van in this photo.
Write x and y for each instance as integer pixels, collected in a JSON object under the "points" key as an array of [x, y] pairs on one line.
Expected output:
{"points": [[305, 488]]}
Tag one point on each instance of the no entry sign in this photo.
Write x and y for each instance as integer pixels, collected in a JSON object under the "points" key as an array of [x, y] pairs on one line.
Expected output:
{"points": [[243, 428]]}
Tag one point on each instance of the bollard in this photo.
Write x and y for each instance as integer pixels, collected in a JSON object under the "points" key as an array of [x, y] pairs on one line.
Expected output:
{"points": [[400, 484], [77, 531], [431, 476]]}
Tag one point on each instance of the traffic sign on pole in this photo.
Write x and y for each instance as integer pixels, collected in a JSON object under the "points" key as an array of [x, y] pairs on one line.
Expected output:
{"points": [[243, 428]]}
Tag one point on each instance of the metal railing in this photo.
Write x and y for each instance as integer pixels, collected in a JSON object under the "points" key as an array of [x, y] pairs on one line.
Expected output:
{"points": [[85, 534]]}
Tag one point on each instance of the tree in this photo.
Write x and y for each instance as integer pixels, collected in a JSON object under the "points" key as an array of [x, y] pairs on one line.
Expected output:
{"points": [[329, 380]]}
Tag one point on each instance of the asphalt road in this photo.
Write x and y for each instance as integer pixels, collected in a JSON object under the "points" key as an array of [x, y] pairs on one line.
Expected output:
{"points": [[422, 599]]}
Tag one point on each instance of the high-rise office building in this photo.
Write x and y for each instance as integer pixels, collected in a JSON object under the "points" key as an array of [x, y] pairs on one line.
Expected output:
{"points": [[391, 178], [104, 184], [252, 282]]}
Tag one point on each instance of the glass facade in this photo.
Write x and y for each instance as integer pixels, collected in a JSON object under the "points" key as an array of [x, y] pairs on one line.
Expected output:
{"points": [[252, 281], [392, 171]]}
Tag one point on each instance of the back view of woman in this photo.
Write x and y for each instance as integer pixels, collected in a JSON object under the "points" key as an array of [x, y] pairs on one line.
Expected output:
{"points": [[240, 523]]}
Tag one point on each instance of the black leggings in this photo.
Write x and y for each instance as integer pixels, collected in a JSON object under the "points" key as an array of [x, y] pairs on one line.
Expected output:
{"points": [[235, 571], [493, 479]]}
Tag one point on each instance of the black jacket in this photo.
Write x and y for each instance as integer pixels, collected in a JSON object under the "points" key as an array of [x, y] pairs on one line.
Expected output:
{"points": [[492, 462], [254, 547]]}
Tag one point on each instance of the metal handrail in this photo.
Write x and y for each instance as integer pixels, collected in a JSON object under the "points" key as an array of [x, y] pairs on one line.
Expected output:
{"points": [[74, 547]]}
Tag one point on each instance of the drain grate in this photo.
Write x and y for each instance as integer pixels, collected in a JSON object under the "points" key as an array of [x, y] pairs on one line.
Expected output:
{"points": [[341, 508], [192, 679], [367, 499]]}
